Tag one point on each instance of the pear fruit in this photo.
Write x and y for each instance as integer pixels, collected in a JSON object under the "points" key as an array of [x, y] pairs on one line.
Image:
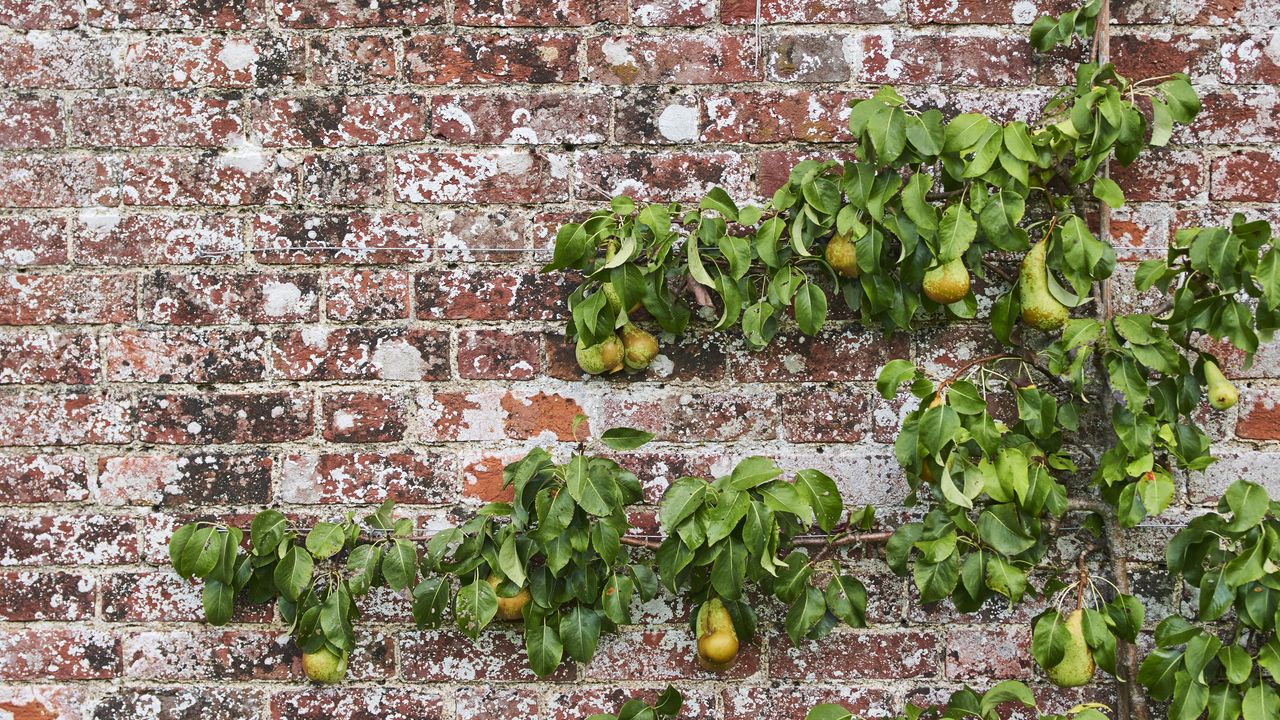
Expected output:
{"points": [[639, 347], [717, 639], [324, 666], [510, 609], [947, 283], [601, 358], [1077, 664], [842, 254], [1040, 309], [1222, 394]]}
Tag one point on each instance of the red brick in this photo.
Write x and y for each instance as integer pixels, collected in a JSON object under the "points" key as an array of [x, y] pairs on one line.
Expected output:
{"points": [[1259, 414], [889, 654], [360, 235], [66, 299], [1165, 174], [809, 57], [989, 652], [916, 59], [357, 704], [531, 416], [239, 655], [48, 356], [194, 355], [167, 15], [32, 241], [1149, 55], [1228, 12], [657, 655], [504, 231], [40, 540], [447, 416], [927, 12], [58, 60], [57, 181], [203, 298], [534, 119], [564, 13], [58, 654], [365, 295], [776, 116], [775, 166], [1246, 115], [781, 702], [1251, 58], [687, 59], [836, 354], [655, 115], [224, 418], [362, 417], [39, 14], [694, 416], [1252, 175], [1134, 12], [106, 237], [36, 479], [344, 178], [580, 702], [662, 177], [336, 121], [244, 176], [493, 176], [826, 415], [447, 655], [191, 61], [183, 480], [330, 14], [476, 294], [419, 478], [31, 123], [362, 353], [351, 60], [489, 702], [499, 355], [143, 121], [805, 11], [488, 58], [54, 595], [482, 480], [64, 418], [176, 703], [138, 597]]}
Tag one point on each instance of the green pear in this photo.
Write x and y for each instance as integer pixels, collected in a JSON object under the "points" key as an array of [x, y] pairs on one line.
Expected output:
{"points": [[510, 609], [947, 283], [842, 254], [717, 638], [600, 358], [324, 666], [640, 347], [1222, 394], [1077, 664], [1040, 309]]}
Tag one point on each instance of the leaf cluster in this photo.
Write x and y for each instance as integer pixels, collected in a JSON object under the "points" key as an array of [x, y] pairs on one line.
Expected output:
{"points": [[966, 704]]}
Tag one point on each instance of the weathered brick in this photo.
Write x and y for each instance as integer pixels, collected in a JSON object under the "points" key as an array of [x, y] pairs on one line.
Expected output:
{"points": [[362, 237], [1259, 414], [48, 356], [836, 354], [53, 595], [1166, 174], [783, 702], [344, 178], [330, 14], [810, 57], [166, 15], [687, 59], [918, 59], [68, 539], [494, 176], [419, 478], [39, 181], [694, 416], [194, 355], [989, 652], [351, 60], [31, 123], [143, 120], [58, 654], [564, 13], [503, 232], [690, 357], [575, 703], [688, 13], [477, 294], [64, 418], [341, 120], [447, 655], [521, 118], [362, 353], [138, 597], [59, 60], [1259, 466], [490, 702], [776, 116], [363, 417], [1227, 12], [39, 14], [191, 419], [202, 298], [889, 654], [357, 704], [29, 479], [663, 655], [499, 355], [979, 12], [803, 11], [66, 299], [1251, 58], [365, 295], [1148, 55], [662, 177], [656, 115], [243, 176], [1252, 175], [485, 58], [32, 241], [194, 61], [533, 415], [182, 480], [108, 237], [826, 415], [1245, 115], [178, 703]]}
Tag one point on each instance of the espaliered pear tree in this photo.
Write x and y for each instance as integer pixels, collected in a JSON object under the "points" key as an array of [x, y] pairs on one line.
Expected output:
{"points": [[898, 235]]}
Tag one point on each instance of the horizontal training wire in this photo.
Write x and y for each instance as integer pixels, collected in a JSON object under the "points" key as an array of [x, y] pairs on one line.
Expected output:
{"points": [[356, 251]]}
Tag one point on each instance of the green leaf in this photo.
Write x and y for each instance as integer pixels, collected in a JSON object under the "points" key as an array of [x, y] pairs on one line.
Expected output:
{"points": [[1269, 278], [1049, 639], [1106, 190], [965, 131], [509, 561], [580, 632], [936, 581], [1261, 702], [475, 607], [847, 600], [1006, 579], [178, 545], [753, 471], [1007, 691], [293, 573], [594, 490], [729, 571], [1236, 663], [325, 540], [623, 438], [1000, 528], [827, 711], [811, 308], [681, 500], [430, 600], [542, 643], [1158, 670], [400, 564], [1248, 503], [938, 426], [267, 531], [823, 495], [218, 600], [805, 614], [717, 199], [894, 373], [955, 233]]}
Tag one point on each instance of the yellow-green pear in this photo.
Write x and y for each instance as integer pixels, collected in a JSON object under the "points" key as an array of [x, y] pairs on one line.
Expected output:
{"points": [[325, 667], [1040, 309], [717, 639], [639, 347], [947, 283], [600, 358], [842, 254], [1222, 394], [510, 609], [1077, 664]]}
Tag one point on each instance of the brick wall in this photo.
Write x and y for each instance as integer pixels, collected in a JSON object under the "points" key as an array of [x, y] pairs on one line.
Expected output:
{"points": [[152, 370]]}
